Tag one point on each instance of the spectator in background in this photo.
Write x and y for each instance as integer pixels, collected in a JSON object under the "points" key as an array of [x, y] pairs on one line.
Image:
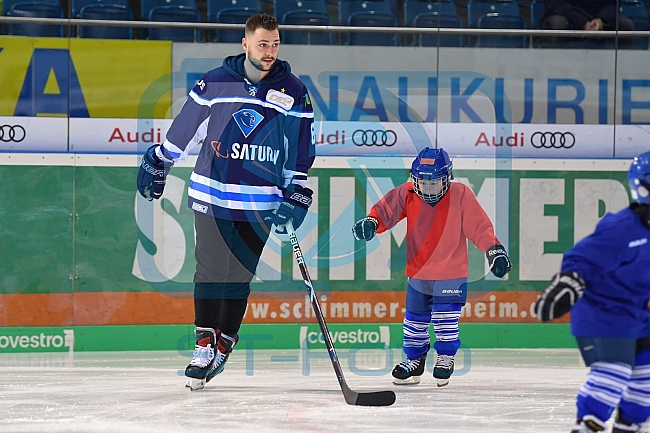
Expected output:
{"points": [[594, 15]]}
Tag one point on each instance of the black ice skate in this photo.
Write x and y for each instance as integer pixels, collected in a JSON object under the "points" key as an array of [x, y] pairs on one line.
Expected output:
{"points": [[443, 369], [224, 348], [621, 425], [203, 359], [409, 372], [588, 426]]}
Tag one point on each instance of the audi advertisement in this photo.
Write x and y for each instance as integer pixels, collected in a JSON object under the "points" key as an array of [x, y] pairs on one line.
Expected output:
{"points": [[406, 139], [42, 134], [469, 139]]}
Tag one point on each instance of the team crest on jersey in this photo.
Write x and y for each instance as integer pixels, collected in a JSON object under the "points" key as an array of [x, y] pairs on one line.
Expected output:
{"points": [[247, 120], [278, 98]]}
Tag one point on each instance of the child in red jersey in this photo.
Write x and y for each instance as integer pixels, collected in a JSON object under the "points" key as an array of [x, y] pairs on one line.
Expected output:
{"points": [[441, 216]]}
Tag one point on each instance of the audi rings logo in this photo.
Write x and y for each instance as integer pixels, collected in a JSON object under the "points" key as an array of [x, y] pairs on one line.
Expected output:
{"points": [[552, 140], [9, 133], [374, 138]]}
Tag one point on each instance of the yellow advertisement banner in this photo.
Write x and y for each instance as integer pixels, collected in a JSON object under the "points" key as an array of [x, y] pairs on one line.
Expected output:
{"points": [[85, 78]]}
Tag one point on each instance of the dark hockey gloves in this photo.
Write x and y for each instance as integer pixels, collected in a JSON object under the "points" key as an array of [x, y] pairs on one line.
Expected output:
{"points": [[498, 260], [365, 228], [294, 207], [558, 297], [152, 175]]}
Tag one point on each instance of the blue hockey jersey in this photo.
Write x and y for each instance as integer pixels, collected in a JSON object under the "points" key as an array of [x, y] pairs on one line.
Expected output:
{"points": [[614, 262], [256, 140]]}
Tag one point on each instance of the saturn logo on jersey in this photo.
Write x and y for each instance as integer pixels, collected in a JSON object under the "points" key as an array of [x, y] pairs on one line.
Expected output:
{"points": [[247, 120], [254, 152]]}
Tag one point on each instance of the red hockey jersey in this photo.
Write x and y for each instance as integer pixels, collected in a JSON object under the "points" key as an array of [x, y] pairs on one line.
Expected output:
{"points": [[436, 236]]}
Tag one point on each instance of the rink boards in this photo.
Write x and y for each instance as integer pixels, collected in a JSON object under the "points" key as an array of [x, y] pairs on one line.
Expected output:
{"points": [[94, 258]]}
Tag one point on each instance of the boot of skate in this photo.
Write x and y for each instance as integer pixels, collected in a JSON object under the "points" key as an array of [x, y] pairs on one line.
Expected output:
{"points": [[590, 425], [409, 372], [224, 348], [621, 425], [203, 359], [443, 369]]}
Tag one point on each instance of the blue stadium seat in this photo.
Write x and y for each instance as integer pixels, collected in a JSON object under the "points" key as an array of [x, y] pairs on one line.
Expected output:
{"points": [[106, 12], [413, 8], [281, 7], [232, 16], [478, 8], [147, 5], [501, 21], [637, 11], [348, 7], [306, 18], [214, 6], [8, 4], [372, 19], [36, 9], [77, 5], [432, 13], [438, 20], [174, 14]]}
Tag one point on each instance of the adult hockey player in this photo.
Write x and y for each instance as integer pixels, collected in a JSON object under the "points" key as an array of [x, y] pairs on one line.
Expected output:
{"points": [[441, 216], [254, 120], [605, 283]]}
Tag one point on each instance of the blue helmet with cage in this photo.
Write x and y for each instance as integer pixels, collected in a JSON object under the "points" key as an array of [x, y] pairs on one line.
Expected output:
{"points": [[639, 178], [431, 174]]}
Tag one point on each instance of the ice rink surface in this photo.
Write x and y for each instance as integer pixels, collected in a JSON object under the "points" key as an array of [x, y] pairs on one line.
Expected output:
{"points": [[531, 390]]}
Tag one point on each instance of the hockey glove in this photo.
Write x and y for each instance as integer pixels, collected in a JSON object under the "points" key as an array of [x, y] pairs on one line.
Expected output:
{"points": [[294, 207], [365, 228], [558, 297], [498, 260], [152, 175]]}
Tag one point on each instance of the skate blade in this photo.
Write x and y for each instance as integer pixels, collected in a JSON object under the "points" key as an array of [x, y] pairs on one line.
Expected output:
{"points": [[195, 384], [413, 380], [442, 382]]}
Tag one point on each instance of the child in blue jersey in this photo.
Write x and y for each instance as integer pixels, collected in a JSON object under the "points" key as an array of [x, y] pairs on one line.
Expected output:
{"points": [[605, 283], [254, 122]]}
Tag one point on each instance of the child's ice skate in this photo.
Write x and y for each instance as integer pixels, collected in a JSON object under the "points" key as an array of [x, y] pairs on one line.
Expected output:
{"points": [[443, 369], [409, 372]]}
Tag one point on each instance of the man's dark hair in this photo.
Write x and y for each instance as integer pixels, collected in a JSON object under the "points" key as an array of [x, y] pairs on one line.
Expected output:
{"points": [[264, 21]]}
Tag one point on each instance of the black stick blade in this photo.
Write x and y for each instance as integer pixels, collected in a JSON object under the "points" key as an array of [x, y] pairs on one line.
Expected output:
{"points": [[379, 398]]}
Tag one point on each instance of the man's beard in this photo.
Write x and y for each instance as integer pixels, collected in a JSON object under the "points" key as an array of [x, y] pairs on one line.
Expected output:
{"points": [[257, 64]]}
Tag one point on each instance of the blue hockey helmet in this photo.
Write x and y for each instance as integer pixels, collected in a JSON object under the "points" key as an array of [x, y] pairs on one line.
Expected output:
{"points": [[431, 174], [639, 178]]}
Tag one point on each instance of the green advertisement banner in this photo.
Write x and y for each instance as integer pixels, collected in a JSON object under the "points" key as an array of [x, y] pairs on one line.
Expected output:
{"points": [[82, 248], [346, 337]]}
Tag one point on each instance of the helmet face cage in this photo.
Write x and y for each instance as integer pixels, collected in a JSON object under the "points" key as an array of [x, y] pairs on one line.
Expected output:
{"points": [[431, 174], [639, 179]]}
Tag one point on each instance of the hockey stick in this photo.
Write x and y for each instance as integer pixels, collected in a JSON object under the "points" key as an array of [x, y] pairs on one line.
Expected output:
{"points": [[378, 398]]}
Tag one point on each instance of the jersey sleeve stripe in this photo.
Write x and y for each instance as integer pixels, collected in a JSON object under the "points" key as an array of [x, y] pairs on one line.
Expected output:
{"points": [[179, 154]]}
